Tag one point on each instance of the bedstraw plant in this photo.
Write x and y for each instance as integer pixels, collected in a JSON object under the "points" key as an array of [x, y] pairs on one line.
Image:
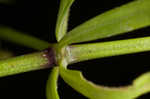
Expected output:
{"points": [[67, 50]]}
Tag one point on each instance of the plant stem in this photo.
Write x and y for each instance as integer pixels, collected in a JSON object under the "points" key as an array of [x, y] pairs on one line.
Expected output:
{"points": [[22, 39], [99, 50], [29, 62]]}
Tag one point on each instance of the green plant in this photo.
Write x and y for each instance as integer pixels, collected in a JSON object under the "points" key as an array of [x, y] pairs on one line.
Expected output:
{"points": [[120, 20]]}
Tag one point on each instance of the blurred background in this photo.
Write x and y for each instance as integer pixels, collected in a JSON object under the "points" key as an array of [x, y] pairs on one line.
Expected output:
{"points": [[38, 18]]}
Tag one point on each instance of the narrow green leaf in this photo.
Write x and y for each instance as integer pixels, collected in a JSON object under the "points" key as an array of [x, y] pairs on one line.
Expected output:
{"points": [[22, 39], [120, 20], [140, 81], [92, 91], [51, 88], [62, 21], [89, 51]]}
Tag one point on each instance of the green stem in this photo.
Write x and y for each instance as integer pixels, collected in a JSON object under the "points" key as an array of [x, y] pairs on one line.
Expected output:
{"points": [[25, 63], [83, 52], [22, 39]]}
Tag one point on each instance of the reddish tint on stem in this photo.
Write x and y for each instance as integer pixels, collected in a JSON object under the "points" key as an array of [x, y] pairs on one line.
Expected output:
{"points": [[49, 53]]}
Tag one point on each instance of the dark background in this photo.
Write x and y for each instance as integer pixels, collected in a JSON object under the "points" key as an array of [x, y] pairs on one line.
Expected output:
{"points": [[37, 18]]}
